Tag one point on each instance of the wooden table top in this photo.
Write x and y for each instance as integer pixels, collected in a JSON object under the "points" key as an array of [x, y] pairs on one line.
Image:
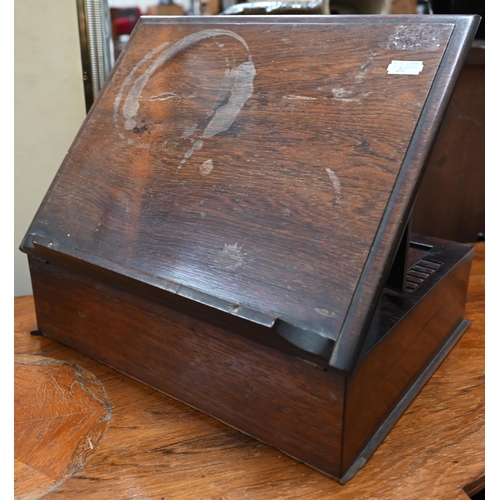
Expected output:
{"points": [[157, 448]]}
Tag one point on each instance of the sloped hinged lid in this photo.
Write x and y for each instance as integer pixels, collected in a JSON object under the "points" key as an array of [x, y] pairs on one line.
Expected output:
{"points": [[264, 166]]}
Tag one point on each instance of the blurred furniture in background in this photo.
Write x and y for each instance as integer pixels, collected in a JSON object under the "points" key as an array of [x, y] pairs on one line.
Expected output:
{"points": [[166, 8], [451, 200], [327, 7], [461, 7], [404, 7], [343, 7], [291, 7], [123, 21]]}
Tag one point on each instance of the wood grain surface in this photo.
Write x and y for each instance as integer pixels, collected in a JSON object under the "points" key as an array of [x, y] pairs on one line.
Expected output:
{"points": [[158, 448], [459, 216], [268, 394], [218, 145], [61, 412]]}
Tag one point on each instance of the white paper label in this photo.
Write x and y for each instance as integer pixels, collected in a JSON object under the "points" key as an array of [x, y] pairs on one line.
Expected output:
{"points": [[405, 67]]}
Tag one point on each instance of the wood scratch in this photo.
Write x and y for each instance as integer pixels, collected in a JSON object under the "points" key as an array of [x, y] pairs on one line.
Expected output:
{"points": [[325, 312], [336, 185], [167, 95], [340, 94], [302, 97]]}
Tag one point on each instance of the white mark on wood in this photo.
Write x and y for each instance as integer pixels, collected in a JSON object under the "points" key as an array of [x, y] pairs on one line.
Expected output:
{"points": [[361, 76], [415, 37], [334, 396], [206, 167], [197, 145], [167, 95], [129, 77], [242, 89], [325, 312], [236, 88], [301, 97], [233, 256], [336, 185], [226, 85], [131, 104], [189, 132], [342, 95]]}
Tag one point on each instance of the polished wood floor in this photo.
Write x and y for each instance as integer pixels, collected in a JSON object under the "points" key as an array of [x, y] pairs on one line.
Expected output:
{"points": [[154, 447]]}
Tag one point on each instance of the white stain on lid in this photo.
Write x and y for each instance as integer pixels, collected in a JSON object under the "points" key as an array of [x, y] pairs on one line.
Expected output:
{"points": [[242, 89], [336, 185], [342, 95], [325, 312], [206, 167], [300, 97], [233, 256]]}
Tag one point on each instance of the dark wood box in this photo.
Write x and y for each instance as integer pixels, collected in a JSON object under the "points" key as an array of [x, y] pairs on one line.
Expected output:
{"points": [[232, 227]]}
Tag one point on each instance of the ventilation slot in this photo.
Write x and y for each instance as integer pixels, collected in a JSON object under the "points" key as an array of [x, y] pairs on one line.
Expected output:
{"points": [[419, 272]]}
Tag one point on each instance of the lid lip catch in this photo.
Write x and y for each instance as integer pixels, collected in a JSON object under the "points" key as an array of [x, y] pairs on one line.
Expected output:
{"points": [[306, 340]]}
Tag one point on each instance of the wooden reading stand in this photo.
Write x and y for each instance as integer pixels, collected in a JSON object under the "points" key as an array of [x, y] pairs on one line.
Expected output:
{"points": [[231, 225]]}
